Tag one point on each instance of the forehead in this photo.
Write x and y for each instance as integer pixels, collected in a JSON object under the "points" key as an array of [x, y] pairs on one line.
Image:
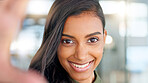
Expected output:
{"points": [[82, 24]]}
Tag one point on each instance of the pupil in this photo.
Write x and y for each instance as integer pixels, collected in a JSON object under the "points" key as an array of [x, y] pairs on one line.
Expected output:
{"points": [[68, 41], [93, 40]]}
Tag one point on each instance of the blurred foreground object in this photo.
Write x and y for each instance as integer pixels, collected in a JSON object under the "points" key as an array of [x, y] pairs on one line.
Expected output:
{"points": [[12, 13]]}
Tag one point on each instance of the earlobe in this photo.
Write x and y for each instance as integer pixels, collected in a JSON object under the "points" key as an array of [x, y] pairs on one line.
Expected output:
{"points": [[105, 34]]}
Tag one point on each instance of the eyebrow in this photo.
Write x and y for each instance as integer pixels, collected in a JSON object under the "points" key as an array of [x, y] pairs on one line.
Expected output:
{"points": [[95, 33], [68, 35]]}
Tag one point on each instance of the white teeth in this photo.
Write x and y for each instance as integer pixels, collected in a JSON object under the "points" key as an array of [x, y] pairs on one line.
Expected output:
{"points": [[80, 66]]}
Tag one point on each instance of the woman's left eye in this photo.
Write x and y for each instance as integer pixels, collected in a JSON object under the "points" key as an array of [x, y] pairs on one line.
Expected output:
{"points": [[93, 40], [67, 41]]}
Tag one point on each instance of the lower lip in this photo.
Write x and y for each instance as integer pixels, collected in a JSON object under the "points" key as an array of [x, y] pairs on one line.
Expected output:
{"points": [[81, 69]]}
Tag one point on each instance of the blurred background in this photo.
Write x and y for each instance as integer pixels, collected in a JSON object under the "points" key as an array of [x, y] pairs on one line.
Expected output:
{"points": [[125, 57]]}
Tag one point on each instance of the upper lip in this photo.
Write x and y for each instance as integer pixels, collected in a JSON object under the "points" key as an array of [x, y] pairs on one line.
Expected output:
{"points": [[81, 63]]}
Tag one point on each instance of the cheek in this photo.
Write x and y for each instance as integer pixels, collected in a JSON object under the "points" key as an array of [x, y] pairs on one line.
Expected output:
{"points": [[96, 51], [97, 54], [65, 52]]}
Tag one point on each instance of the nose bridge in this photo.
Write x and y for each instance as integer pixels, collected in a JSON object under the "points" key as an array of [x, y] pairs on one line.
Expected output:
{"points": [[81, 51]]}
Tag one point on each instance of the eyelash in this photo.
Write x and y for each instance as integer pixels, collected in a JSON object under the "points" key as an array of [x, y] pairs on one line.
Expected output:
{"points": [[96, 40], [69, 42]]}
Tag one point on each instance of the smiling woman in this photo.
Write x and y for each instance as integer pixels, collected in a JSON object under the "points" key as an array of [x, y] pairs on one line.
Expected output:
{"points": [[73, 42]]}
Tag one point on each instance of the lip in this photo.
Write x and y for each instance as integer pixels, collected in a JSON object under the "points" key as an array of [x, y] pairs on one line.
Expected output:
{"points": [[78, 69]]}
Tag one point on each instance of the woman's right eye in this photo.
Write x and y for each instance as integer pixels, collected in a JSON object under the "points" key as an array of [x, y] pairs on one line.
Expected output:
{"points": [[67, 41]]}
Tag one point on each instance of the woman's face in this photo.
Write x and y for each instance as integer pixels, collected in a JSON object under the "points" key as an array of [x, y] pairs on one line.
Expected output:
{"points": [[81, 46]]}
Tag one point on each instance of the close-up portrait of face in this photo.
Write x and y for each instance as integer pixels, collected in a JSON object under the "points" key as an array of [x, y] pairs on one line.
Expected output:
{"points": [[81, 46]]}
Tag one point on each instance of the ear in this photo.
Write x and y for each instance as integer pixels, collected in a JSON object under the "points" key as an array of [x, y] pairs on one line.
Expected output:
{"points": [[105, 34]]}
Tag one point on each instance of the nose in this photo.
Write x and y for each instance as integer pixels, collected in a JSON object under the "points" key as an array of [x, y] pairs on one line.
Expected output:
{"points": [[81, 52]]}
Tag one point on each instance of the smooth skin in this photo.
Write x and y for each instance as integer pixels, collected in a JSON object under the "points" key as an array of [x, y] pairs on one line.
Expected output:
{"points": [[82, 42], [12, 13]]}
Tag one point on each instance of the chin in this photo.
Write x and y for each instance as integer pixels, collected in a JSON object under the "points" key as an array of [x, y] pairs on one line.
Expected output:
{"points": [[81, 76]]}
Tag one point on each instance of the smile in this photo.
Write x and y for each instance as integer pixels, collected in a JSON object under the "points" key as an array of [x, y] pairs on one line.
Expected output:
{"points": [[81, 67]]}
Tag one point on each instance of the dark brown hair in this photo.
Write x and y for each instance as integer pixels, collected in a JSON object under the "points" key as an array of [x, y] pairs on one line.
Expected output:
{"points": [[45, 61]]}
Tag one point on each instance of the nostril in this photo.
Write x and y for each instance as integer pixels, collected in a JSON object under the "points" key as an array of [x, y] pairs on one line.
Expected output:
{"points": [[80, 56]]}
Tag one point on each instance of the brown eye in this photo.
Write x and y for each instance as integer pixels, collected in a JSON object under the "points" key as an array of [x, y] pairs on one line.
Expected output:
{"points": [[67, 41], [93, 40]]}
